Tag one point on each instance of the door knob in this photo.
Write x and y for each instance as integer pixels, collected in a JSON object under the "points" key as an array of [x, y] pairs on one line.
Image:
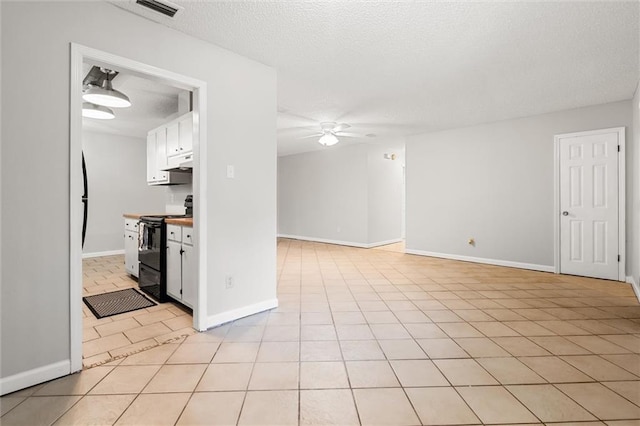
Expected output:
{"points": [[565, 213]]}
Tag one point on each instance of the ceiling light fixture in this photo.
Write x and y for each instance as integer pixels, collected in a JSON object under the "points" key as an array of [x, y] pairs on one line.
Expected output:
{"points": [[328, 139], [100, 112], [106, 95]]}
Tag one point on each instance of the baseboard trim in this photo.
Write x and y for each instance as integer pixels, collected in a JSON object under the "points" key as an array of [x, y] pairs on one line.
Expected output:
{"points": [[323, 240], [234, 314], [384, 243], [35, 376], [102, 253], [635, 286], [496, 262], [338, 242]]}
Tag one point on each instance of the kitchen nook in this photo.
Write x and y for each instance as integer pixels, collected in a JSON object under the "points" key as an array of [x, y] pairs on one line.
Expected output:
{"points": [[139, 280]]}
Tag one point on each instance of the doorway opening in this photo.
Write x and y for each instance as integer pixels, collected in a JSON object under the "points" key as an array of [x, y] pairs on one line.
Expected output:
{"points": [[589, 213], [83, 57]]}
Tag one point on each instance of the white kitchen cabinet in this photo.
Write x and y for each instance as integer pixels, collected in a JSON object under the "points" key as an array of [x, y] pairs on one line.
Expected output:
{"points": [[157, 160], [156, 156], [180, 264], [131, 264], [173, 139], [179, 141], [174, 269], [151, 157], [188, 274], [186, 133], [161, 153]]}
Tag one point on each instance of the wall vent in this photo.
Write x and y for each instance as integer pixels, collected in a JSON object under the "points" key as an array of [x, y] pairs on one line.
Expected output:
{"points": [[165, 7]]}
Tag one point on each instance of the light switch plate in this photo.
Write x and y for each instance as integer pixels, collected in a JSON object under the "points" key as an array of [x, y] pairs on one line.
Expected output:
{"points": [[231, 171]]}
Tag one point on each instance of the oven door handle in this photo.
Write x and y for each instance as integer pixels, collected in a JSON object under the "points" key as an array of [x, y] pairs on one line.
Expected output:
{"points": [[152, 225]]}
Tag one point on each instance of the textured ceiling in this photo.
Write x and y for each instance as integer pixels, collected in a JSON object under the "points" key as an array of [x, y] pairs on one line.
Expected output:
{"points": [[398, 68]]}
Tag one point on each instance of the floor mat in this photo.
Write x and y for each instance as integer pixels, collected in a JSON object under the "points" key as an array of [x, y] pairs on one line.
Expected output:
{"points": [[117, 302]]}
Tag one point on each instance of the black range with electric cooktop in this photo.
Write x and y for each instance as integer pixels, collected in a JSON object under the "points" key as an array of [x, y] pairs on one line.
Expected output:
{"points": [[152, 254]]}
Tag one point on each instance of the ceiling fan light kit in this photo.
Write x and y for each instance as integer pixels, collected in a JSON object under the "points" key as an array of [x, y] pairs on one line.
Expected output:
{"points": [[329, 132], [328, 139]]}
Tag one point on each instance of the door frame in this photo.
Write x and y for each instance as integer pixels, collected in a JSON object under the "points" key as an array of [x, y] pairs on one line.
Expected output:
{"points": [[79, 54], [621, 196]]}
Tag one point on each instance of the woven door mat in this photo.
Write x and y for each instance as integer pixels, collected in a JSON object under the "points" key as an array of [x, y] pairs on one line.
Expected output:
{"points": [[117, 302]]}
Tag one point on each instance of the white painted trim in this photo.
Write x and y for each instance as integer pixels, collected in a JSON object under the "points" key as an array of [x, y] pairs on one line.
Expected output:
{"points": [[339, 242], [556, 204], [102, 253], [323, 240], [635, 286], [621, 195], [200, 208], [506, 263], [622, 204], [34, 376], [384, 243], [75, 209], [80, 53], [245, 311]]}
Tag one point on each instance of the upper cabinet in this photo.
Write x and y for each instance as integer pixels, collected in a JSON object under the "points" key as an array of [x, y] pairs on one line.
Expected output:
{"points": [[170, 146], [179, 142], [156, 146]]}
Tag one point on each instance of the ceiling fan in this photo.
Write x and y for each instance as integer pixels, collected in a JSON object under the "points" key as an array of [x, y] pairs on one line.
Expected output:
{"points": [[329, 132]]}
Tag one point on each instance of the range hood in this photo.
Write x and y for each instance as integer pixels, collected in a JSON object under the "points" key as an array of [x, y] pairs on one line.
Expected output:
{"points": [[174, 177], [180, 163]]}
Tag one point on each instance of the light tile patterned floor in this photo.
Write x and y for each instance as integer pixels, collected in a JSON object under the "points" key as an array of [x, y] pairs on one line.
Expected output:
{"points": [[379, 337], [113, 337]]}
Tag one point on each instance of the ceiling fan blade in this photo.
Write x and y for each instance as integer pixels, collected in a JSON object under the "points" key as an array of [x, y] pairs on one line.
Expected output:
{"points": [[317, 135], [340, 127], [351, 135]]}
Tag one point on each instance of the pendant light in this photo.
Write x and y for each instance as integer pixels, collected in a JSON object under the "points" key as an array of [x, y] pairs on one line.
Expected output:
{"points": [[328, 139], [100, 112], [106, 95]]}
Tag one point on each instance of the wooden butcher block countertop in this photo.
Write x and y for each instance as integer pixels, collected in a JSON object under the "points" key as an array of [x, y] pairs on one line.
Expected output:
{"points": [[138, 216], [183, 221]]}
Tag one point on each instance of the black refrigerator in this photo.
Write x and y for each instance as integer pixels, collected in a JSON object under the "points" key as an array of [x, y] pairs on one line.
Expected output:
{"points": [[85, 199]]}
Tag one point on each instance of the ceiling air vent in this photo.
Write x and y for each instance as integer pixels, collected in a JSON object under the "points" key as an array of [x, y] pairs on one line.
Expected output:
{"points": [[165, 7]]}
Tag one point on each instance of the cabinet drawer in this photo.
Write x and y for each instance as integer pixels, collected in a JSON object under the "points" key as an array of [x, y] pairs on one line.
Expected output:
{"points": [[131, 225], [174, 233], [187, 235]]}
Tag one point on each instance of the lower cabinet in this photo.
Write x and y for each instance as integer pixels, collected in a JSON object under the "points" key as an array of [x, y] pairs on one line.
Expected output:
{"points": [[188, 283], [180, 264], [131, 247]]}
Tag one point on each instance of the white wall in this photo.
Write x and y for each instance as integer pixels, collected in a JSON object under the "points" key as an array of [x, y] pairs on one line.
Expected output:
{"points": [[117, 180], [241, 121], [174, 197], [385, 189], [344, 194], [493, 182], [633, 195], [323, 194]]}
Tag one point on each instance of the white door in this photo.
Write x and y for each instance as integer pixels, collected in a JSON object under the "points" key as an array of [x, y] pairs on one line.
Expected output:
{"points": [[589, 204]]}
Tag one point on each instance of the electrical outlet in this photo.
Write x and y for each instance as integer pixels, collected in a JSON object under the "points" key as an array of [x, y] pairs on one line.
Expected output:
{"points": [[228, 281]]}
